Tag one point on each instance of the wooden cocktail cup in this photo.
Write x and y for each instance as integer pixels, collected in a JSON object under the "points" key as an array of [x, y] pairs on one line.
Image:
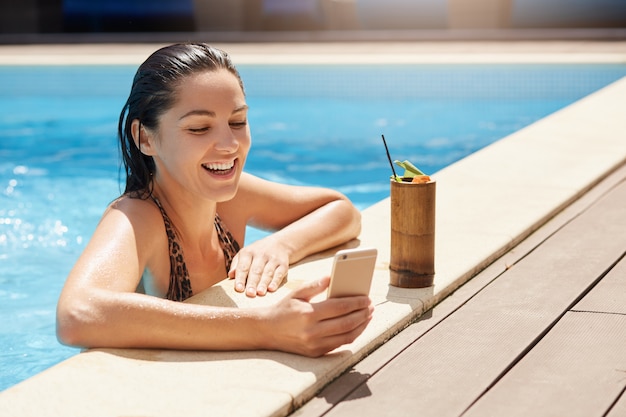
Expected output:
{"points": [[412, 263]]}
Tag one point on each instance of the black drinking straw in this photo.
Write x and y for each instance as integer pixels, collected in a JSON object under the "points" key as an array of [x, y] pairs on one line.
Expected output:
{"points": [[395, 177]]}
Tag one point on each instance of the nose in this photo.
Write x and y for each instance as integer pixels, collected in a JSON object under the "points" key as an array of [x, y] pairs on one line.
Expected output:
{"points": [[227, 140]]}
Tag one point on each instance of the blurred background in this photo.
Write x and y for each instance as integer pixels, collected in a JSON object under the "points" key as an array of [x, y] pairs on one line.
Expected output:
{"points": [[21, 20]]}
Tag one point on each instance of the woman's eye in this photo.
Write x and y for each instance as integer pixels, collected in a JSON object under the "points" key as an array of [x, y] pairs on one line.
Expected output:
{"points": [[239, 125], [198, 129]]}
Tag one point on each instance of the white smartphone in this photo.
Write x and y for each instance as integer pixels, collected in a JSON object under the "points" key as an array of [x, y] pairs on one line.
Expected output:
{"points": [[352, 272]]}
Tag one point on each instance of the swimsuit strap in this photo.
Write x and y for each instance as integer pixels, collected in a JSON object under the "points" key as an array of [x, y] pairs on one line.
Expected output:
{"points": [[229, 245], [180, 286]]}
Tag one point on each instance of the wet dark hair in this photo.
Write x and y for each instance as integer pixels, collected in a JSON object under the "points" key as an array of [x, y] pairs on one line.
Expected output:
{"points": [[153, 93]]}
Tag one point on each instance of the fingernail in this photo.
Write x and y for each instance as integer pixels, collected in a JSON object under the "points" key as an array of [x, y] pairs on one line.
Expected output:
{"points": [[239, 287]]}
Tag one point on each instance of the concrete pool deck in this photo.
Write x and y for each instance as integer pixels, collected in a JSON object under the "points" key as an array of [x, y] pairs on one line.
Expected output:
{"points": [[486, 204]]}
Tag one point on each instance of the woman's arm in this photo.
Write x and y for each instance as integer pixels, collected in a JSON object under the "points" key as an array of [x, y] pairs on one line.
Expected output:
{"points": [[101, 318], [98, 306], [306, 220]]}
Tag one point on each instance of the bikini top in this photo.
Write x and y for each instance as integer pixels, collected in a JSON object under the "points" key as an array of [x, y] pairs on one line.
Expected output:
{"points": [[180, 287]]}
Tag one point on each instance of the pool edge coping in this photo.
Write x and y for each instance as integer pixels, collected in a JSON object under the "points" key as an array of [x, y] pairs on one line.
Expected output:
{"points": [[306, 53]]}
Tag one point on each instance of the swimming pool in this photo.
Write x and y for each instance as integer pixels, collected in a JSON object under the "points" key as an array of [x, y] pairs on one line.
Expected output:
{"points": [[310, 125]]}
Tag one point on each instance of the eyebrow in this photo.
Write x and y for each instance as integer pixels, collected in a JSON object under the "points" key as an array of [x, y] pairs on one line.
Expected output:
{"points": [[210, 113]]}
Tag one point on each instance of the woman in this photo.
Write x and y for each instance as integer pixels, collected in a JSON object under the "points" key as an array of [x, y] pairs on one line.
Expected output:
{"points": [[178, 227]]}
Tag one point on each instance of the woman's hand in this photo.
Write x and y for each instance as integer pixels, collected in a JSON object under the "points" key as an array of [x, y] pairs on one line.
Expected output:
{"points": [[260, 267], [313, 329], [304, 220]]}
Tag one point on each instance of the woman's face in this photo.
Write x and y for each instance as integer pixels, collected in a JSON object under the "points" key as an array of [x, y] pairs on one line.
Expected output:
{"points": [[203, 140]]}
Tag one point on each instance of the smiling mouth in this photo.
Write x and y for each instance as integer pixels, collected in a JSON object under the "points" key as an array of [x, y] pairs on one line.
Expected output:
{"points": [[220, 168]]}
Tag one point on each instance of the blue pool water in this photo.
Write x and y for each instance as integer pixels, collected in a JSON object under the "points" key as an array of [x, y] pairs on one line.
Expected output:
{"points": [[316, 125]]}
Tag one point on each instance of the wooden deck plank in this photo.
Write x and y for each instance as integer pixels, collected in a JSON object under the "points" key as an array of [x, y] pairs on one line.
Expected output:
{"points": [[577, 370], [609, 295], [444, 371]]}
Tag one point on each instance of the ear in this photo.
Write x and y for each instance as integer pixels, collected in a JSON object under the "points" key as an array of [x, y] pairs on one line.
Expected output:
{"points": [[143, 138]]}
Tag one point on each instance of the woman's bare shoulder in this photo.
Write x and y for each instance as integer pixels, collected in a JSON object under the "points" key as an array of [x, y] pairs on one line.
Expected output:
{"points": [[131, 225], [130, 205], [142, 214]]}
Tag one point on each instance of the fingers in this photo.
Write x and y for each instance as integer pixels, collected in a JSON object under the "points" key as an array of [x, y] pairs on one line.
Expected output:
{"points": [[269, 280], [341, 315], [239, 270], [311, 289], [332, 342], [277, 278], [256, 275], [338, 322]]}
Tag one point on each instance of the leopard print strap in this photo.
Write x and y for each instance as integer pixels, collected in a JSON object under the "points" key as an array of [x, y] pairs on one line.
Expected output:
{"points": [[229, 245], [180, 286]]}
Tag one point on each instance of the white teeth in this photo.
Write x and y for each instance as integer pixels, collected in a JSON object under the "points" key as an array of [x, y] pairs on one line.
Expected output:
{"points": [[219, 166]]}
